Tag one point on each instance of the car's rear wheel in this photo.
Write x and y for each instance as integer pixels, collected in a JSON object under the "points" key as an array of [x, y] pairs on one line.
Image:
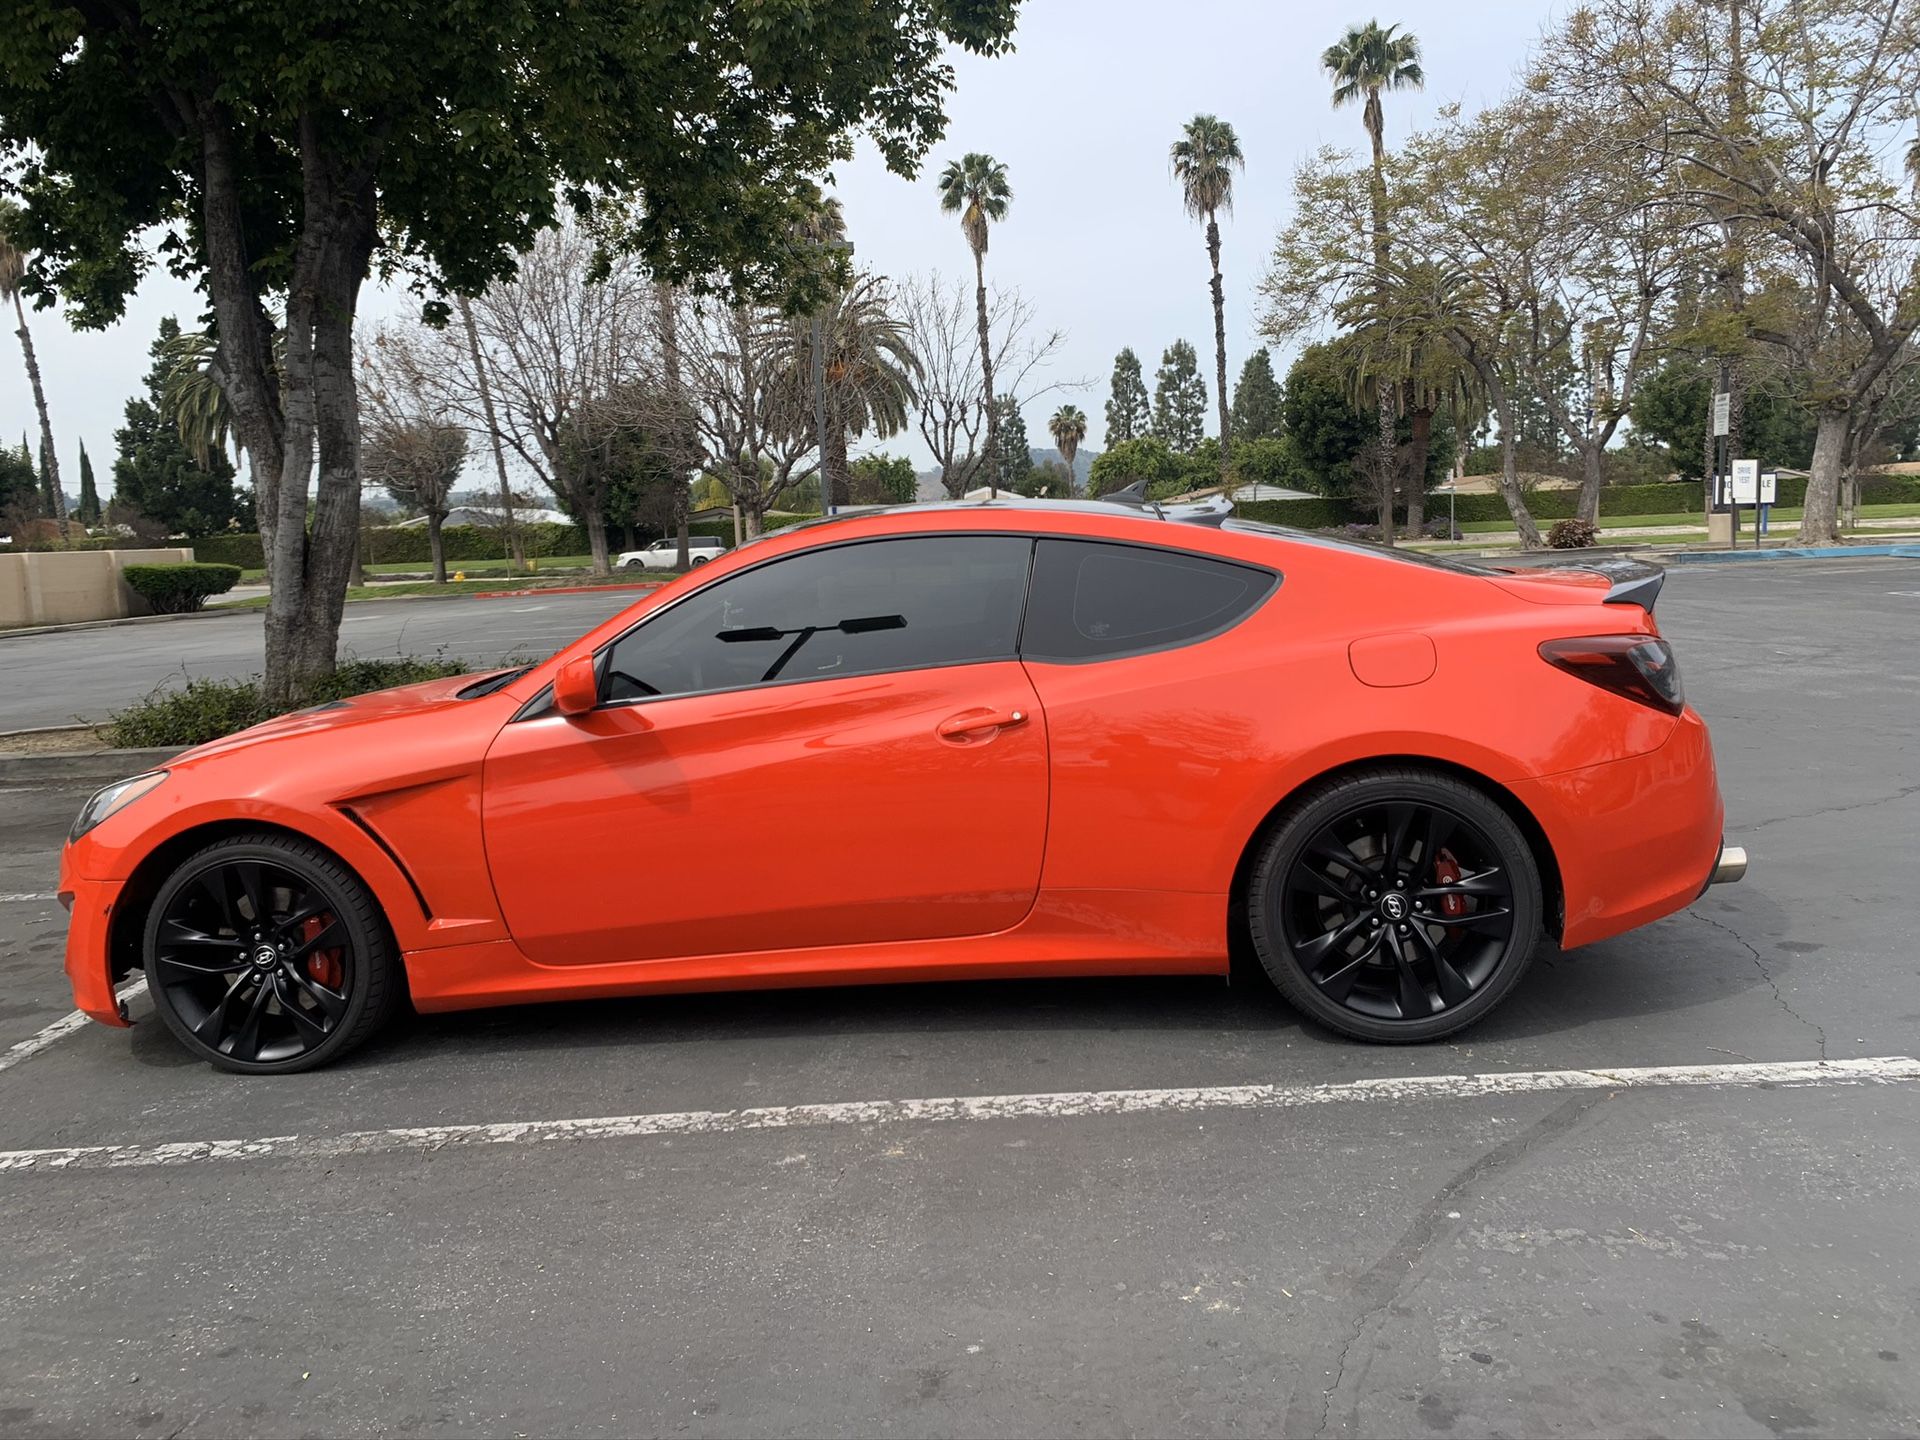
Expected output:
{"points": [[1395, 905], [265, 955]]}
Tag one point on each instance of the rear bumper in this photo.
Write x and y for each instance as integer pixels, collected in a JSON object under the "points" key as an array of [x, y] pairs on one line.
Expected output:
{"points": [[89, 962], [1633, 838]]}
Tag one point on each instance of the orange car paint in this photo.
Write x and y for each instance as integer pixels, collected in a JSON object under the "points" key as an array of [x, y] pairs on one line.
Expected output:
{"points": [[687, 843]]}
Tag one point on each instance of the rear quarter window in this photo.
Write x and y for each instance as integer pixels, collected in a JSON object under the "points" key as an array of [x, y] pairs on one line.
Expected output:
{"points": [[1093, 600]]}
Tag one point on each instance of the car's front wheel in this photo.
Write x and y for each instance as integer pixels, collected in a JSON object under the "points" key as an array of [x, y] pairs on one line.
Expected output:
{"points": [[1395, 905], [266, 955]]}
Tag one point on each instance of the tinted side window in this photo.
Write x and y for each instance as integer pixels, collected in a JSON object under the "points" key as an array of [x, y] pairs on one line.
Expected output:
{"points": [[1094, 601], [853, 610]]}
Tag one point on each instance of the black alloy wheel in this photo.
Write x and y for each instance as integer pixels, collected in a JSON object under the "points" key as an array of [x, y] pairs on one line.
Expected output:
{"points": [[1396, 905], [265, 955]]}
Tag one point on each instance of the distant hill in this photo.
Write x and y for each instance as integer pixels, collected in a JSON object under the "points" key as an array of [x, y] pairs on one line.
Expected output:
{"points": [[930, 488]]}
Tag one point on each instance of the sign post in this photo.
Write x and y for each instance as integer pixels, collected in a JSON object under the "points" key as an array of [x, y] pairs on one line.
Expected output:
{"points": [[1721, 525], [1745, 490]]}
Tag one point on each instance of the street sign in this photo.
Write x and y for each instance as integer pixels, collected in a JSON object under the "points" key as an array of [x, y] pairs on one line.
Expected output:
{"points": [[1769, 488], [1746, 482], [1722, 412]]}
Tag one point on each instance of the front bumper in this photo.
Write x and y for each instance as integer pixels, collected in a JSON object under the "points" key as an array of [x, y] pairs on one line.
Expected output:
{"points": [[89, 952]]}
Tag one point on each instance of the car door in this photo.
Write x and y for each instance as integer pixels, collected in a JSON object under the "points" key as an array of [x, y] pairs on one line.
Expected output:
{"points": [[838, 747]]}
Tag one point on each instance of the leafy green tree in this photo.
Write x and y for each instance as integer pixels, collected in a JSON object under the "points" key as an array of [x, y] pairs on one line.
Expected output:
{"points": [[19, 487], [158, 475], [1179, 399], [1129, 409], [1324, 429], [287, 148], [1204, 159], [1256, 400], [1068, 428], [89, 492], [1009, 463], [1672, 406], [975, 188], [1267, 461], [1145, 457], [883, 479], [1047, 480]]}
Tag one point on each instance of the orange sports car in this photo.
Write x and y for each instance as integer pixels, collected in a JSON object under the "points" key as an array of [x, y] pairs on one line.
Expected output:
{"points": [[943, 742]]}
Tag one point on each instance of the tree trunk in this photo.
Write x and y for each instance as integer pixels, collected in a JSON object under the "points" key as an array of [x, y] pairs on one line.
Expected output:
{"points": [[986, 369], [1417, 454], [1820, 520], [1383, 405], [595, 516], [516, 543], [836, 470], [436, 545], [1510, 490], [1219, 344], [49, 457], [1588, 508], [751, 516], [670, 348]]}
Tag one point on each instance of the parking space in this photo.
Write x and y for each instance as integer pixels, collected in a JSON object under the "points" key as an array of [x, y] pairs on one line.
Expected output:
{"points": [[1568, 1257]]}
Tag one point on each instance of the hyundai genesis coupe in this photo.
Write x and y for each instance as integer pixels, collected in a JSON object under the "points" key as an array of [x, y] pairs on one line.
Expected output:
{"points": [[970, 740]]}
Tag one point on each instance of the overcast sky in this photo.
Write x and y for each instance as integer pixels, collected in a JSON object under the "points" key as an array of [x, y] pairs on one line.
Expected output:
{"points": [[1082, 115]]}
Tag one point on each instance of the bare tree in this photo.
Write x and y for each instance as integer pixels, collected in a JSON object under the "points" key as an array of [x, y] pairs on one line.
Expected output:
{"points": [[952, 411], [417, 461]]}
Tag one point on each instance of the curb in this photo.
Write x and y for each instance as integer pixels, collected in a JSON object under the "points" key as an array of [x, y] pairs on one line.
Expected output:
{"points": [[100, 765], [1813, 552], [109, 624], [562, 590]]}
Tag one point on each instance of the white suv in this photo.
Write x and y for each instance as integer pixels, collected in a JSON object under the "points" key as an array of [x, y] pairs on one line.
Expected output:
{"points": [[663, 554]]}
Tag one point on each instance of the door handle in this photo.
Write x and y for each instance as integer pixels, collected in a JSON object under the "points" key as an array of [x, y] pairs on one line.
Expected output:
{"points": [[969, 723]]}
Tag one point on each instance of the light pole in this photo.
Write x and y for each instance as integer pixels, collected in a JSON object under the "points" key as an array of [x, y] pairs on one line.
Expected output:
{"points": [[841, 247]]}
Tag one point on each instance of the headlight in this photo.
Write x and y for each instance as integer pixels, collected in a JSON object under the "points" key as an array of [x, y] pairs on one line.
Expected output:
{"points": [[115, 797]]}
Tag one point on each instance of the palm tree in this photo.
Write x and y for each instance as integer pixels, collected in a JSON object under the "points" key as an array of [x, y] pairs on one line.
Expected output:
{"points": [[975, 188], [1068, 427], [1204, 159], [190, 393], [871, 372], [1366, 61], [13, 271]]}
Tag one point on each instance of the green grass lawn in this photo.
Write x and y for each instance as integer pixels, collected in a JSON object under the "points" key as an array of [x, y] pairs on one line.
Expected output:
{"points": [[470, 567], [1788, 515], [453, 589]]}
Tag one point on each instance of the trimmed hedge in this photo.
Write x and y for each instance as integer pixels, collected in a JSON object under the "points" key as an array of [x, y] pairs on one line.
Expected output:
{"points": [[178, 589]]}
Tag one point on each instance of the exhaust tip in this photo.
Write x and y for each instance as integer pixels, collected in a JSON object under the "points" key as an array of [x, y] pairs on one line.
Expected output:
{"points": [[1733, 865]]}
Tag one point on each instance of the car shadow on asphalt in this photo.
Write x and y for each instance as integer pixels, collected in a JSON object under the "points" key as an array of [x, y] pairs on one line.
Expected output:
{"points": [[1679, 964]]}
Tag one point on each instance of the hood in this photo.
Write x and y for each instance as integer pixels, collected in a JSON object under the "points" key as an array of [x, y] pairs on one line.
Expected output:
{"points": [[375, 705]]}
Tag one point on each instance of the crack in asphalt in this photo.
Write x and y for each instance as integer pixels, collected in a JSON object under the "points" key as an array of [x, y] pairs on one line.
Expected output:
{"points": [[1819, 1031], [1388, 1277], [1903, 793]]}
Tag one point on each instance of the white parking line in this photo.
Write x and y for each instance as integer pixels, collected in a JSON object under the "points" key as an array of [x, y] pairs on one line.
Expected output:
{"points": [[24, 899], [1882, 1070], [62, 1027]]}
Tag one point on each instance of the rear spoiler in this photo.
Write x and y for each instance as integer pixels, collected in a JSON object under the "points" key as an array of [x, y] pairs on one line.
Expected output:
{"points": [[1632, 582]]}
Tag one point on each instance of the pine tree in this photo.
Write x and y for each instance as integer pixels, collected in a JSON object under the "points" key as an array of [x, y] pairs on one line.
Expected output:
{"points": [[1256, 400], [1179, 399], [89, 493], [1128, 413], [1013, 455]]}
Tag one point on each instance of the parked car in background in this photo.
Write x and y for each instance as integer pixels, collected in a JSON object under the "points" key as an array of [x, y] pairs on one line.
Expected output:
{"points": [[665, 554], [1009, 738]]}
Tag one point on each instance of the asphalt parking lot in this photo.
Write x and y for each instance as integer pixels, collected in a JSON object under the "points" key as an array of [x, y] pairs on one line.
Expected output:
{"points": [[1550, 1257]]}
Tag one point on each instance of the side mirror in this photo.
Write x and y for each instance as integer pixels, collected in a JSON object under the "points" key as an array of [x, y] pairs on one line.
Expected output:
{"points": [[576, 689]]}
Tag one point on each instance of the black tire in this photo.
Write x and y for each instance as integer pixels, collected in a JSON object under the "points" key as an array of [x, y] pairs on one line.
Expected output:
{"points": [[701, 559], [1395, 904], [209, 956]]}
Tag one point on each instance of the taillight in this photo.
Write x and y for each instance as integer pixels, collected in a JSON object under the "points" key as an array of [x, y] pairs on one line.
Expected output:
{"points": [[1640, 667]]}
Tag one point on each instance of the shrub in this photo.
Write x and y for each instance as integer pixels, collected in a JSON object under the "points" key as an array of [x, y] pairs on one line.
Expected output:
{"points": [[177, 589], [204, 710], [1572, 534]]}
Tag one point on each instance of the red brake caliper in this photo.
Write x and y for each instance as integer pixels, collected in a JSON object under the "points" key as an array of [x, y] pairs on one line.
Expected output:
{"points": [[1446, 871], [325, 966]]}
